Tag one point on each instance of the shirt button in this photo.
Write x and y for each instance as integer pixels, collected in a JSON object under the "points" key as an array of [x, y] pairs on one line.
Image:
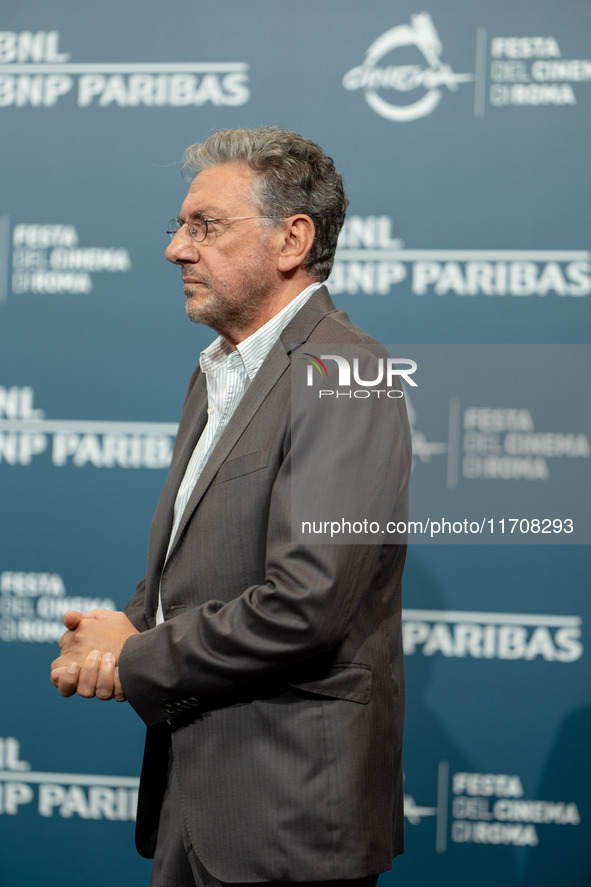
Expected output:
{"points": [[210, 411]]}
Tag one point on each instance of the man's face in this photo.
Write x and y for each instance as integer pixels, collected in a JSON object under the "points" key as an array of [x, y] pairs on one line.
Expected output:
{"points": [[231, 275]]}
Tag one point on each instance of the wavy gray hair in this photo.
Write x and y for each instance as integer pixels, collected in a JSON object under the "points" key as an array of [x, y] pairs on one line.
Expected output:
{"points": [[294, 176]]}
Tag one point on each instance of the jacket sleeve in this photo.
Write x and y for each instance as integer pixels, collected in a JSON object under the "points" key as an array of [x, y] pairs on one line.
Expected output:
{"points": [[135, 608]]}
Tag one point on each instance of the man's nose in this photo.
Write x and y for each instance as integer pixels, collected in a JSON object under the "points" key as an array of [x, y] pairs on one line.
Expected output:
{"points": [[182, 249]]}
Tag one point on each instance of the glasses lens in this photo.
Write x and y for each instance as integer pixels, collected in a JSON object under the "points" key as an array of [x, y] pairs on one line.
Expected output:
{"points": [[173, 226], [197, 227]]}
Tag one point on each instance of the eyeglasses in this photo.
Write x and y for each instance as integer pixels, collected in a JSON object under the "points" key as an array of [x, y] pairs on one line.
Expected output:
{"points": [[197, 225]]}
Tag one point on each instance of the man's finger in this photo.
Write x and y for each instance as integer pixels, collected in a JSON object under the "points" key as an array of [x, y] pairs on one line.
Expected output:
{"points": [[56, 673], [65, 639], [68, 680], [61, 662], [89, 675], [72, 619], [106, 677], [118, 689]]}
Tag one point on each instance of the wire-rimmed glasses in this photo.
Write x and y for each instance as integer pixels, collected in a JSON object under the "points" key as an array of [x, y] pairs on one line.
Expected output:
{"points": [[197, 225]]}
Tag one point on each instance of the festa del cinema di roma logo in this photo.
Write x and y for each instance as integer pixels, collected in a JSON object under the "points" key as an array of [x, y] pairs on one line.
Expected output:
{"points": [[386, 372], [373, 75]]}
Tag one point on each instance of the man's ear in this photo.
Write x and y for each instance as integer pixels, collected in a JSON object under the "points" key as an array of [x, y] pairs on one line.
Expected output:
{"points": [[298, 238]]}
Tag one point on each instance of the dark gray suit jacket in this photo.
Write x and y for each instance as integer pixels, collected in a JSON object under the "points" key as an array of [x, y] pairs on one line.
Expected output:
{"points": [[278, 674]]}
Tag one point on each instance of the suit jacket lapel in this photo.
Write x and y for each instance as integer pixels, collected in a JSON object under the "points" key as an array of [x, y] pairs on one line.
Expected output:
{"points": [[190, 429], [273, 367]]}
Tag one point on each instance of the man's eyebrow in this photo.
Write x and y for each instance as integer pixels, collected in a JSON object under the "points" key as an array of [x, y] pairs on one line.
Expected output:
{"points": [[192, 215], [208, 212]]}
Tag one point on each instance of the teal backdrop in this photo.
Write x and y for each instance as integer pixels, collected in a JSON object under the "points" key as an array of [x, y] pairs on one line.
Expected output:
{"points": [[462, 129]]}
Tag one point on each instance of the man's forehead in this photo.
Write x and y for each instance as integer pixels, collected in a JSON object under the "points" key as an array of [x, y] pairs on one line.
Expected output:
{"points": [[218, 188]]}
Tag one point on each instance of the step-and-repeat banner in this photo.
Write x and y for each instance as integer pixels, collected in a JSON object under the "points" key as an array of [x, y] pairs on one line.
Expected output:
{"points": [[462, 131]]}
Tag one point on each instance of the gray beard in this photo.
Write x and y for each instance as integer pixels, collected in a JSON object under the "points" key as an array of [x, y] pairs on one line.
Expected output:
{"points": [[228, 315]]}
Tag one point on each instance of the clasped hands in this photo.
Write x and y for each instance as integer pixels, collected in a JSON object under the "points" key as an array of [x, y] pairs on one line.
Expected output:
{"points": [[89, 658]]}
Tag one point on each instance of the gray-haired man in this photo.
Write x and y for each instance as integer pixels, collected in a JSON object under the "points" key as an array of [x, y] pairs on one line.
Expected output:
{"points": [[267, 669]]}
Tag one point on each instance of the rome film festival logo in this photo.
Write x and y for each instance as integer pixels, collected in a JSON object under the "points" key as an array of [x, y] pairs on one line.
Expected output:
{"points": [[371, 77]]}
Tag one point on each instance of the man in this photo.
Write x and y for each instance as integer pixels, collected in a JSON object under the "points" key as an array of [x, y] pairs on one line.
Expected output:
{"points": [[267, 667]]}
